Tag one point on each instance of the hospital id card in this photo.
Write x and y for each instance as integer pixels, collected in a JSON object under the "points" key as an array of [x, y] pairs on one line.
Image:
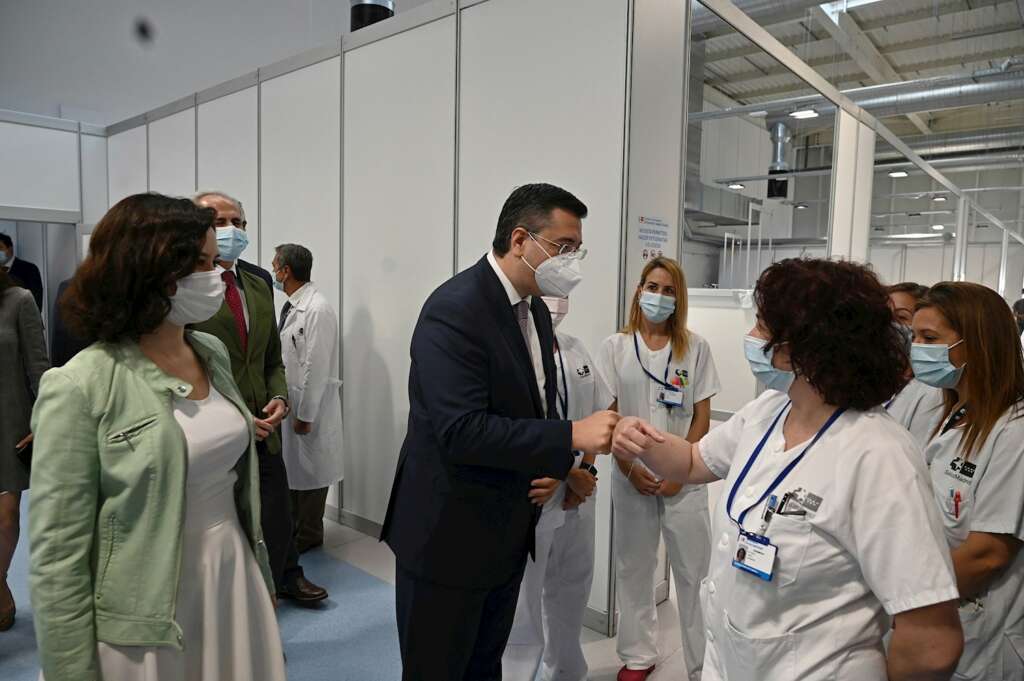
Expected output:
{"points": [[670, 398], [755, 554]]}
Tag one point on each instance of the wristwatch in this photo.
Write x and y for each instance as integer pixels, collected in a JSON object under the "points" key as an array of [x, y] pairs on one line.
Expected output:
{"points": [[589, 467]]}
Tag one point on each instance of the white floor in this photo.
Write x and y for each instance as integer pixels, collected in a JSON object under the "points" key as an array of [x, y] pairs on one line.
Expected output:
{"points": [[372, 556]]}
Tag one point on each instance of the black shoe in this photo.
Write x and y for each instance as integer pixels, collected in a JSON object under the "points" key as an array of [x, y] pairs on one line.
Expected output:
{"points": [[302, 591]]}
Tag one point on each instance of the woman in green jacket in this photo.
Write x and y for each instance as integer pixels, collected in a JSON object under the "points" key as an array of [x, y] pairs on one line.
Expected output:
{"points": [[148, 561]]}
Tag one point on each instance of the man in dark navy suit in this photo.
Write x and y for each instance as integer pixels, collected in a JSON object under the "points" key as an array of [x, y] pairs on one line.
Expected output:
{"points": [[24, 273], [484, 445]]}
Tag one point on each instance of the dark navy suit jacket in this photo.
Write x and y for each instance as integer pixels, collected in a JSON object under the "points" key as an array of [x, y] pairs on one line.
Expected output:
{"points": [[459, 513]]}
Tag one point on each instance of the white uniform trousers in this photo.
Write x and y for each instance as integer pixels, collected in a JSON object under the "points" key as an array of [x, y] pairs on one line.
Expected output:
{"points": [[566, 592], [639, 523], [525, 646]]}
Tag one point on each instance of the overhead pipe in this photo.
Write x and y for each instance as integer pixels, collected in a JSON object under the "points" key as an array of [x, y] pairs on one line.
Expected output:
{"points": [[957, 143], [1003, 83], [764, 12]]}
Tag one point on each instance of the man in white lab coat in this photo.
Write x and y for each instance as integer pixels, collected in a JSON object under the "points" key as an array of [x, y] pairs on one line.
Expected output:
{"points": [[556, 586], [312, 434]]}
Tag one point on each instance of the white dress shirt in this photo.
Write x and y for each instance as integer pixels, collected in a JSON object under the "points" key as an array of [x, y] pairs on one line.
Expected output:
{"points": [[531, 328]]}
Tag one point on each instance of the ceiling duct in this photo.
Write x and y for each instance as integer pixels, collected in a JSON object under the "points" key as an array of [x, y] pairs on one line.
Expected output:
{"points": [[983, 86], [780, 135], [956, 143], [764, 12]]}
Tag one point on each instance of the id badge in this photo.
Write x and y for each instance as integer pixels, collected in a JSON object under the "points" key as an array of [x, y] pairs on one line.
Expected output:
{"points": [[670, 398], [755, 554]]}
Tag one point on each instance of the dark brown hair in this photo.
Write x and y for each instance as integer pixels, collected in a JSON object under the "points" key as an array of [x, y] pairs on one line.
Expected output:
{"points": [[915, 290], [5, 281], [143, 245], [995, 366], [835, 320]]}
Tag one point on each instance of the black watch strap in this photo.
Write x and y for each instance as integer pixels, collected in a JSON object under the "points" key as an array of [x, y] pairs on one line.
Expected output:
{"points": [[589, 467]]}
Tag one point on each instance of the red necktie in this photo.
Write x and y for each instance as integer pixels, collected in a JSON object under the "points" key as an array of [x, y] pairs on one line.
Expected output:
{"points": [[234, 301]]}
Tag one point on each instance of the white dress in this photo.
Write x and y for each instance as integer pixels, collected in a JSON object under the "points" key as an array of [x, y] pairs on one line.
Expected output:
{"points": [[223, 607]]}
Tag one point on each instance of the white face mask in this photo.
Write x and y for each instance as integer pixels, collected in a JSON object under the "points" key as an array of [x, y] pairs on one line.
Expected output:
{"points": [[558, 275], [558, 307], [198, 298]]}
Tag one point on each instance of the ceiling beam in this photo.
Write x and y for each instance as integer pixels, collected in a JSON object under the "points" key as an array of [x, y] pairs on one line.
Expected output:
{"points": [[847, 33]]}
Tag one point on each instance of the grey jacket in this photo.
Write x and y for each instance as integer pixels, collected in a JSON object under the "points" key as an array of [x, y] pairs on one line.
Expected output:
{"points": [[23, 360]]}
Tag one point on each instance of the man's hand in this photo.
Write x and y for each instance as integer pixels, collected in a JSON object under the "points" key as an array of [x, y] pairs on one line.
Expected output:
{"points": [[275, 410], [572, 500], [642, 479], [633, 437], [303, 427], [542, 490], [581, 482], [668, 488], [593, 434]]}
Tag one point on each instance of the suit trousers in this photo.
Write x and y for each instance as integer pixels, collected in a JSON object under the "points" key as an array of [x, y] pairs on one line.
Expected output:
{"points": [[451, 634], [276, 517], [308, 507]]}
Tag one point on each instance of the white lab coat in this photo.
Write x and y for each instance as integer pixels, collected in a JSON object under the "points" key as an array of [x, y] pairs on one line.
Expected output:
{"points": [[556, 586], [641, 521], [869, 547], [990, 485], [309, 347], [918, 408]]}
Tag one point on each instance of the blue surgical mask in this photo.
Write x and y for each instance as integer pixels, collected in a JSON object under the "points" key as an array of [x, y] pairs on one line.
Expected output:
{"points": [[932, 366], [762, 367], [4, 257], [656, 307], [279, 285], [231, 241]]}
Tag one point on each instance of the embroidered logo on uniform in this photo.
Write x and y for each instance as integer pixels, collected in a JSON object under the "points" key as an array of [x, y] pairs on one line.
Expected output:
{"points": [[965, 468], [682, 378], [583, 371]]}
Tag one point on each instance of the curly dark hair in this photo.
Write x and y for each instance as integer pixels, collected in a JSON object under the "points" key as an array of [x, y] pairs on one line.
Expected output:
{"points": [[143, 245], [835, 320]]}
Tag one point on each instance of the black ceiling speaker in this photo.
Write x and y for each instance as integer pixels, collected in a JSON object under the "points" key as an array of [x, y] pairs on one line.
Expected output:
{"points": [[366, 12]]}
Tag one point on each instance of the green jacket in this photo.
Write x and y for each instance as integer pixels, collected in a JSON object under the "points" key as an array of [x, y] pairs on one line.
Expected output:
{"points": [[259, 372], [107, 506]]}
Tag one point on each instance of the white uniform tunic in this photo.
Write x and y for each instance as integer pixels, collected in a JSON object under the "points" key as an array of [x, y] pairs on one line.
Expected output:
{"points": [[918, 408], [556, 586], [986, 494], [641, 521], [870, 546]]}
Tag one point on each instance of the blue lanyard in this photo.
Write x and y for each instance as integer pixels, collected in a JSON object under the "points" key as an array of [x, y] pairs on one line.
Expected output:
{"points": [[663, 382], [565, 384], [785, 471]]}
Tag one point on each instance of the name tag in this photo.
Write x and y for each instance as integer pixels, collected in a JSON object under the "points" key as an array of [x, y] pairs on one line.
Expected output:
{"points": [[670, 398], [755, 554]]}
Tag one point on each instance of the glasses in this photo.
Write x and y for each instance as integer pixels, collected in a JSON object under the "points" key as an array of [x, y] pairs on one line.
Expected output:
{"points": [[568, 250]]}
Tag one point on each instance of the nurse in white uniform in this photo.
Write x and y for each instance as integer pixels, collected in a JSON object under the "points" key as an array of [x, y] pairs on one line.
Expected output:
{"points": [[917, 406], [555, 588], [825, 534], [966, 344], [662, 372]]}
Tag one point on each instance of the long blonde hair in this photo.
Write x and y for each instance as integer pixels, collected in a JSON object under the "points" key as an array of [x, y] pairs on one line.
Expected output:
{"points": [[995, 366], [677, 331]]}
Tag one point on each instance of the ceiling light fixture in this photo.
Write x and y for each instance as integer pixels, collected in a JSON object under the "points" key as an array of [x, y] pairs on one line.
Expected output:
{"points": [[938, 199], [804, 113], [938, 228], [898, 173], [801, 206], [737, 185]]}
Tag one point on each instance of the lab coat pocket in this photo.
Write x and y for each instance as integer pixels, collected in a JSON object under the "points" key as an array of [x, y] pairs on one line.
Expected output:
{"points": [[766, 659], [791, 534]]}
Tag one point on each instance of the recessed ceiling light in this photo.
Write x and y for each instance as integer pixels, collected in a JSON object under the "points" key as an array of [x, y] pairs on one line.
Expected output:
{"points": [[801, 206], [898, 173], [938, 228], [938, 199], [804, 113], [737, 185]]}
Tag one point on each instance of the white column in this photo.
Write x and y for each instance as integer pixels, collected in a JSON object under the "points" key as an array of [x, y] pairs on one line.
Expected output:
{"points": [[853, 173]]}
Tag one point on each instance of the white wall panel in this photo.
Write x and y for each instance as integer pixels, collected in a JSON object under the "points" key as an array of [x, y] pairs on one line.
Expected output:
{"points": [[301, 162], [172, 154], [724, 325], [928, 265], [126, 164], [399, 113], [228, 149], [887, 262], [94, 178], [543, 101], [38, 167]]}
